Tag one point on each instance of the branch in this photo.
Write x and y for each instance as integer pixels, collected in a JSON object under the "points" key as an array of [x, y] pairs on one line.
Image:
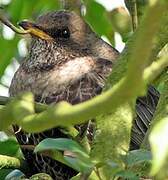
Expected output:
{"points": [[22, 111], [64, 114], [39, 107]]}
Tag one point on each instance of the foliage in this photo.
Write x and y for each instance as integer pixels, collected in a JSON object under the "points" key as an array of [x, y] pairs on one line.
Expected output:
{"points": [[109, 156]]}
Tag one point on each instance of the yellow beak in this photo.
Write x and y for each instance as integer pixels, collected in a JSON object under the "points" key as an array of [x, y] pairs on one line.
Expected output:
{"points": [[32, 29]]}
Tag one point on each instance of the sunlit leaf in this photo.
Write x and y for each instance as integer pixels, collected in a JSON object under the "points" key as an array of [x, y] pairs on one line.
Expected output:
{"points": [[92, 176], [41, 176], [121, 22], [77, 177], [159, 145], [79, 165]]}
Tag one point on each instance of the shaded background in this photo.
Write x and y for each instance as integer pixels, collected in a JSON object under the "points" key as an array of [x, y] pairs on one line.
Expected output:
{"points": [[108, 18]]}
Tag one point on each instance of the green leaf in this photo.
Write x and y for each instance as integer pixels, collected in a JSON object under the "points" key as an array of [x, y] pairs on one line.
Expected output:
{"points": [[9, 147], [125, 174], [42, 6], [57, 155], [8, 49], [15, 9], [81, 162], [92, 176], [79, 165], [111, 168], [121, 22], [4, 173], [159, 145], [60, 144], [77, 177], [96, 16], [136, 157], [15, 175]]}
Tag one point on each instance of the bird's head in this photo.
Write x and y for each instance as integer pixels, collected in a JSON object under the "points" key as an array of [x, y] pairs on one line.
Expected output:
{"points": [[60, 27], [67, 32]]}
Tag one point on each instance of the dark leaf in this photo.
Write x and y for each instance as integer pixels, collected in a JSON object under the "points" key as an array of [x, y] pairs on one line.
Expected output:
{"points": [[136, 157], [4, 173], [61, 144], [125, 174], [80, 161]]}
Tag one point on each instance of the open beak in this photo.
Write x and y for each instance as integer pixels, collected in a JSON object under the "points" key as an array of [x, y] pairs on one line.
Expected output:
{"points": [[34, 30]]}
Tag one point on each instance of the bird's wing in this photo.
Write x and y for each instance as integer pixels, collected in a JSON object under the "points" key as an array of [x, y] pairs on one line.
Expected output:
{"points": [[145, 108]]}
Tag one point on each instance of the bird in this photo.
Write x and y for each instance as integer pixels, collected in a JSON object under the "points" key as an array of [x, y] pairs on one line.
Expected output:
{"points": [[68, 61], [145, 108]]}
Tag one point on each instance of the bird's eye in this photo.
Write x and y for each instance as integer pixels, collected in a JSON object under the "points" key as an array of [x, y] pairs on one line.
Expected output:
{"points": [[65, 33]]}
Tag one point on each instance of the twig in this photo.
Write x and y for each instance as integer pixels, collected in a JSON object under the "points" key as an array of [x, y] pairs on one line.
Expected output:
{"points": [[132, 6], [155, 69], [134, 15], [5, 21]]}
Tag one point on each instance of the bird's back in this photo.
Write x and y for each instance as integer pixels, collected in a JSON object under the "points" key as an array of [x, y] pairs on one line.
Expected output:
{"points": [[145, 108]]}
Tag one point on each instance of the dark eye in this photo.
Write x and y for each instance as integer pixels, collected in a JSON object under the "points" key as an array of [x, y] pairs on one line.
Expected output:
{"points": [[65, 33]]}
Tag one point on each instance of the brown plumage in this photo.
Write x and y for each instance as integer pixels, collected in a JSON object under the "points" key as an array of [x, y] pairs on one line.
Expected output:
{"points": [[72, 65], [66, 61]]}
